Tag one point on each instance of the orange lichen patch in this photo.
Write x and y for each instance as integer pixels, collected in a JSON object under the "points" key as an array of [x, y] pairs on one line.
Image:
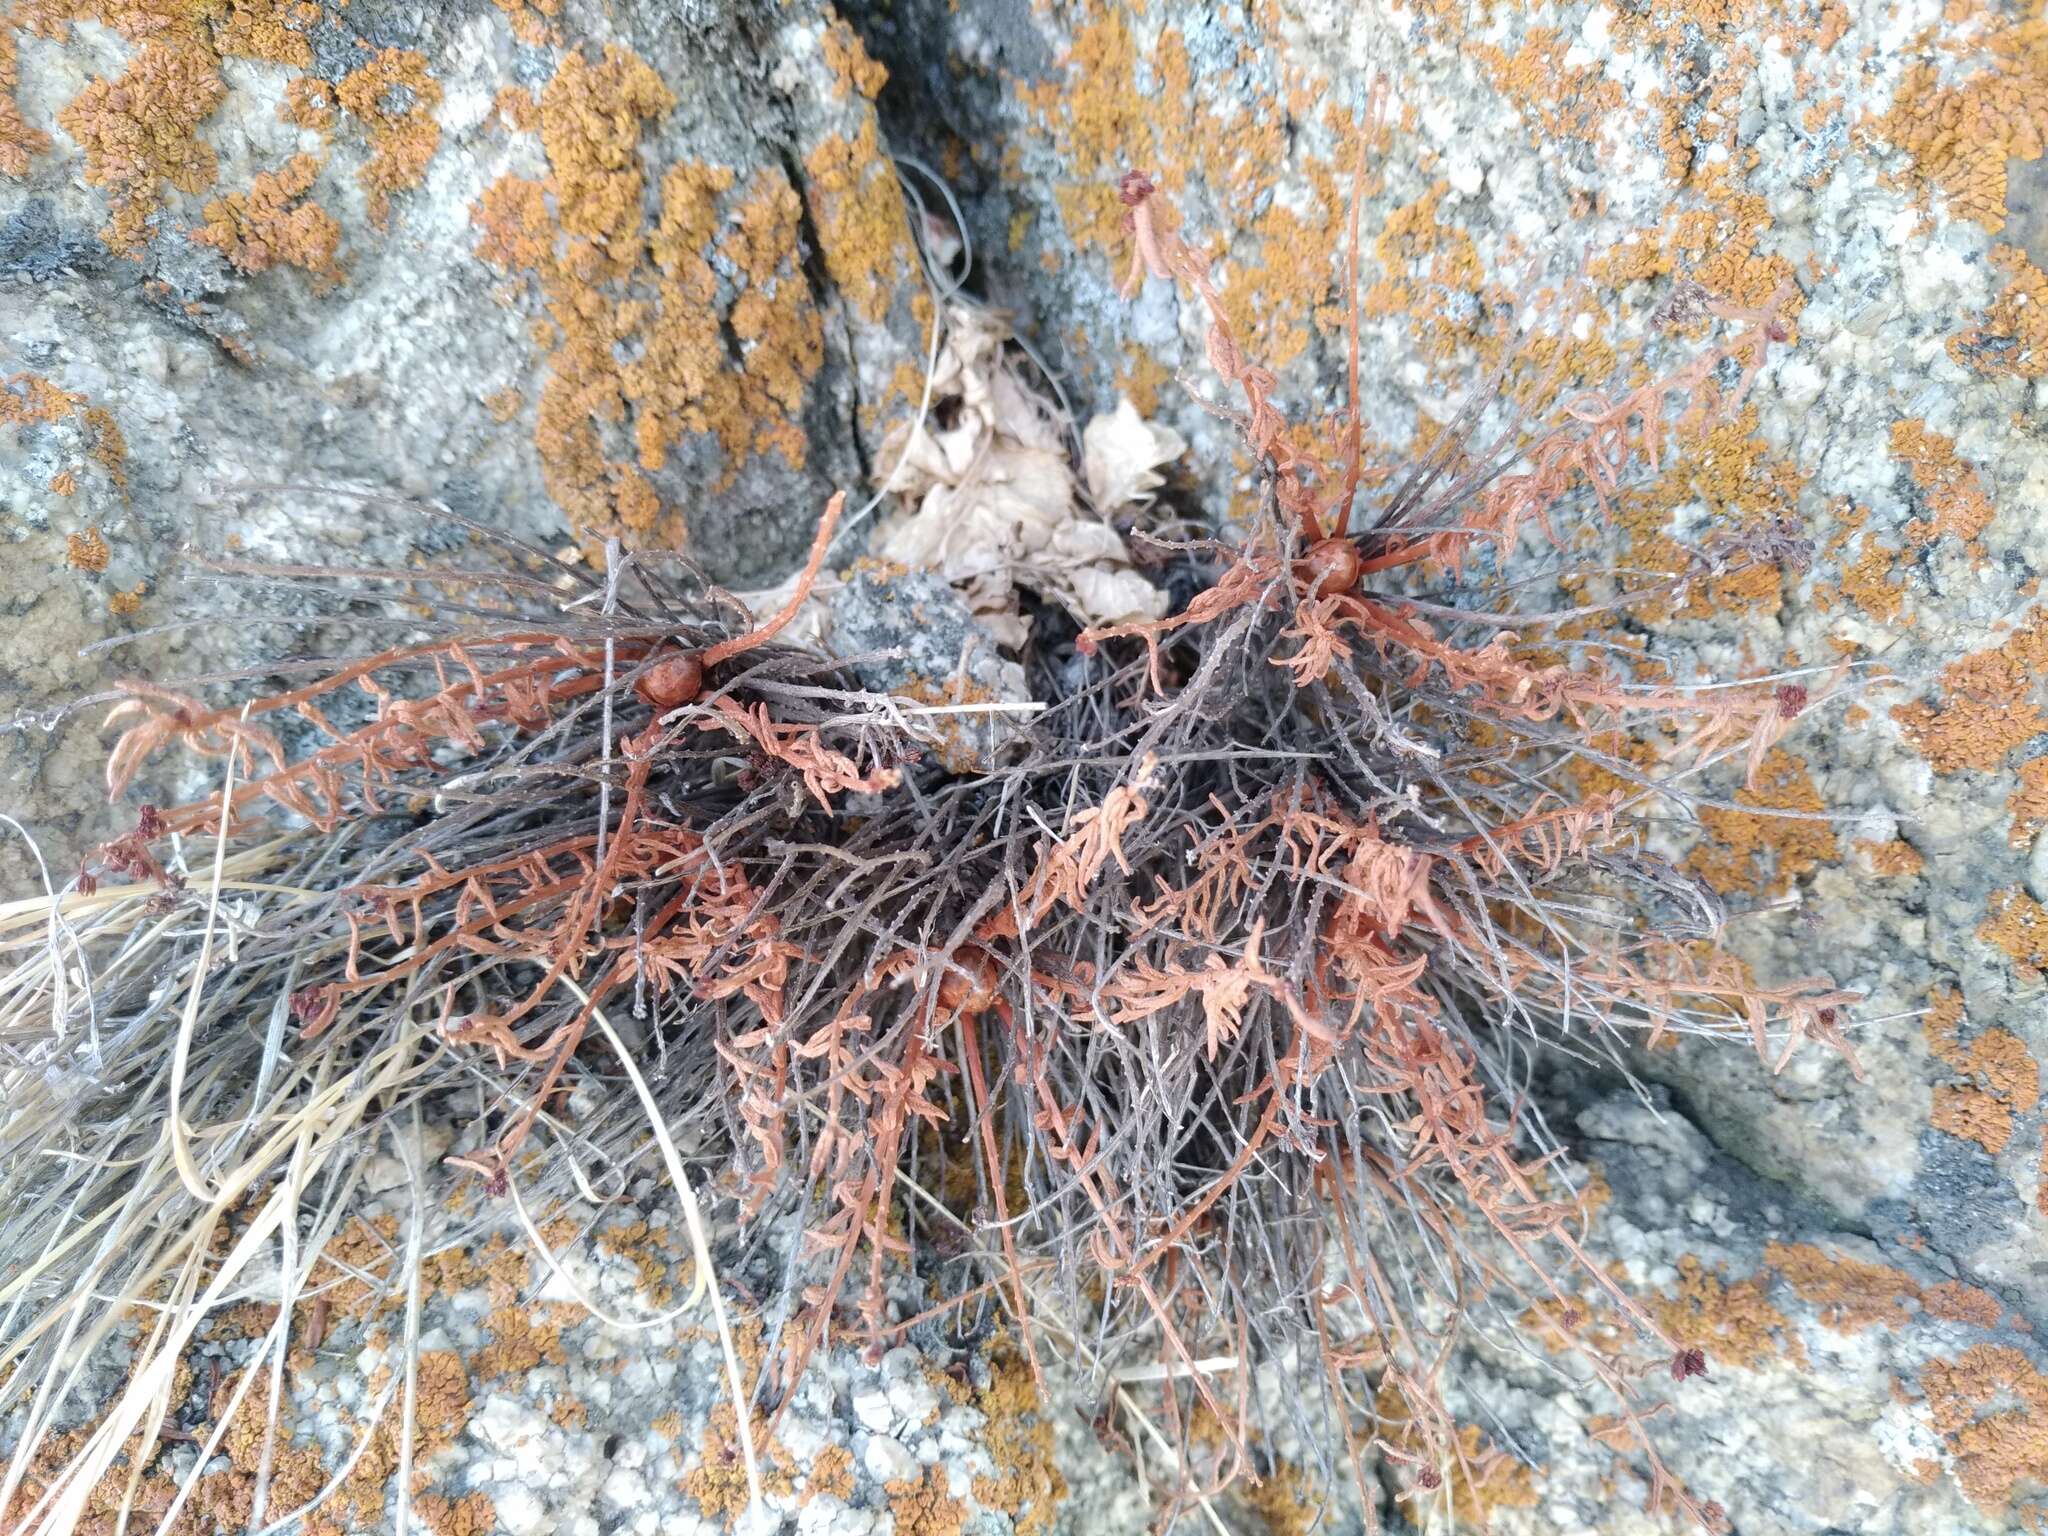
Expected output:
{"points": [[1850, 1295], [443, 1407], [499, 1269], [394, 98], [1484, 1480], [960, 742], [1717, 244], [359, 1253], [719, 1480], [64, 483], [308, 103], [571, 1413], [1959, 1303], [141, 133], [1719, 463], [1870, 581], [1141, 376], [846, 56], [1102, 118], [87, 551], [2012, 338], [1283, 1501], [297, 1472], [1972, 1114], [244, 1320], [1638, 257], [2018, 925], [109, 448], [657, 370], [19, 143], [125, 605], [1990, 1406], [583, 390], [925, 1507], [1429, 269], [1734, 1322], [272, 224], [1727, 257], [1764, 854], [863, 232], [1961, 133], [830, 1472], [1562, 101], [516, 232], [517, 108], [1098, 124], [1477, 1479], [1283, 293], [590, 117], [1987, 708], [530, 20], [31, 398], [2004, 1079], [683, 385], [270, 30], [1896, 859], [642, 1246], [522, 1339], [504, 404], [1959, 507], [1028, 1484], [1570, 1328], [471, 1515], [2029, 802]]}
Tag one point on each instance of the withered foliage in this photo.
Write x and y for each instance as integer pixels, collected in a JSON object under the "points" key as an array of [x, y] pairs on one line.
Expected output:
{"points": [[1216, 990]]}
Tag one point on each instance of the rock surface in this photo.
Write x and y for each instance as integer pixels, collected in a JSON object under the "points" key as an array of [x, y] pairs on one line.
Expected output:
{"points": [[576, 270]]}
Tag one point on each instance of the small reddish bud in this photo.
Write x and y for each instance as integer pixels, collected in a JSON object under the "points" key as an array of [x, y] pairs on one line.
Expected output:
{"points": [[1429, 1477], [149, 824], [1688, 1362], [1791, 700], [314, 1008], [1134, 187], [87, 883], [1330, 567], [969, 983], [672, 683]]}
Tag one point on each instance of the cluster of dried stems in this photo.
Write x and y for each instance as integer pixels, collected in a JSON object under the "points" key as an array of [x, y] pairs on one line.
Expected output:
{"points": [[1222, 983]]}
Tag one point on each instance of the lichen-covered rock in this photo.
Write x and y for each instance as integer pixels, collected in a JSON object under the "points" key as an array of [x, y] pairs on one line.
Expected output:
{"points": [[1857, 1380], [1875, 171], [573, 270], [586, 1389]]}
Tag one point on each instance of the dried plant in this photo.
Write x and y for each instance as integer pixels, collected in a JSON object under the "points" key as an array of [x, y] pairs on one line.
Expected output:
{"points": [[1220, 984]]}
